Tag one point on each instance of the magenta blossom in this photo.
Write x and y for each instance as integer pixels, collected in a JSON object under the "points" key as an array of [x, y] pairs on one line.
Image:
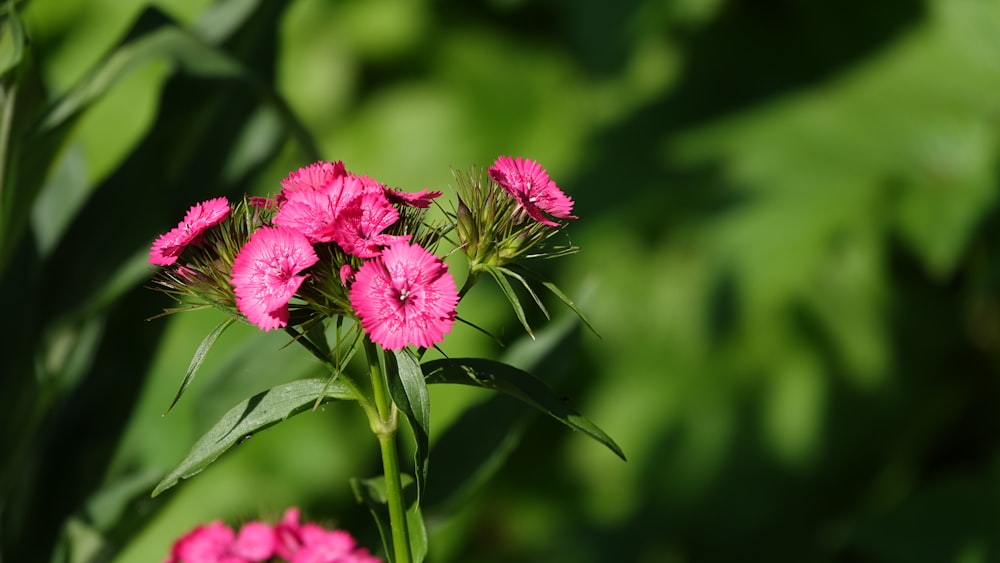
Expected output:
{"points": [[316, 176], [359, 226], [210, 543], [314, 212], [405, 297], [201, 216], [421, 199], [265, 274], [530, 185], [257, 542], [311, 543]]}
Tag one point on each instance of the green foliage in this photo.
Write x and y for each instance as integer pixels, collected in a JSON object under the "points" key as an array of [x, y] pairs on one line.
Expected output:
{"points": [[787, 216], [256, 413]]}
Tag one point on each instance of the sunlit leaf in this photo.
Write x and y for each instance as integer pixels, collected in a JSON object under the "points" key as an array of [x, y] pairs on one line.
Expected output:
{"points": [[497, 376], [409, 392], [261, 411], [13, 40]]}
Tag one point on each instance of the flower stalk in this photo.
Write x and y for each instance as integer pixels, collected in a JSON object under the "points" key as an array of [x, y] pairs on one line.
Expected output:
{"points": [[384, 427]]}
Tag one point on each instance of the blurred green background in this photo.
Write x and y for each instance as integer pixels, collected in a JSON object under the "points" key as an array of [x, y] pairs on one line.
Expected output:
{"points": [[790, 247]]}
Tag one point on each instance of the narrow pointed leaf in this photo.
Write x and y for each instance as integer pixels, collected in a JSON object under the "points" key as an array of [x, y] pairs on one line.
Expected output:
{"points": [[252, 415], [562, 296], [491, 374], [511, 296], [409, 392], [531, 291], [199, 357], [569, 303]]}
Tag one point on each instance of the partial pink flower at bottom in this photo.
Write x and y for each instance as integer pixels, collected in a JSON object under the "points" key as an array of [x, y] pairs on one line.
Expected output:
{"points": [[254, 542], [265, 274], [405, 297], [530, 185], [204, 544], [168, 247], [312, 543]]}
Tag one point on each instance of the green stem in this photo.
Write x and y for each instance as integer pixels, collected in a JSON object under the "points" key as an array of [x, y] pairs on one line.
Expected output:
{"points": [[385, 430]]}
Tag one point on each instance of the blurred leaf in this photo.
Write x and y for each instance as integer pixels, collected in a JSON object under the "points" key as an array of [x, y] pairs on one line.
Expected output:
{"points": [[13, 38], [151, 38], [257, 413], [409, 392], [199, 357], [497, 376], [372, 493]]}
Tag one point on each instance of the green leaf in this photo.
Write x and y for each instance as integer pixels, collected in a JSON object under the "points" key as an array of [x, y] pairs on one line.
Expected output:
{"points": [[252, 415], [372, 493], [409, 392], [531, 292], [497, 376], [12, 38], [199, 357], [473, 448], [508, 292], [555, 291]]}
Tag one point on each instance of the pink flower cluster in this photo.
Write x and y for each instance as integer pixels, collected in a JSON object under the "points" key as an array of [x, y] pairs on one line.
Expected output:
{"points": [[257, 542], [335, 225], [403, 294]]}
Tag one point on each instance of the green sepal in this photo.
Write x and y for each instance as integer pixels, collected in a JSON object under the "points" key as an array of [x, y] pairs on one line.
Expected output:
{"points": [[498, 376], [254, 414], [199, 357]]}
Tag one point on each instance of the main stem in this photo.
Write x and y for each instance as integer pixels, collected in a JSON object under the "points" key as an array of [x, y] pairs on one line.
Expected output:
{"points": [[385, 430]]}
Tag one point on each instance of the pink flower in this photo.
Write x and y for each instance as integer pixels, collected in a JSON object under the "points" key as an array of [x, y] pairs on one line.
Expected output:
{"points": [[263, 202], [421, 199], [405, 296], [530, 185], [316, 176], [314, 212], [265, 274], [254, 542], [360, 223], [204, 544], [201, 216], [311, 543]]}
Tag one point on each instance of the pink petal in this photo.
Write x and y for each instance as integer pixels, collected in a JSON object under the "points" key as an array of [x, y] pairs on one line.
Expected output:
{"points": [[405, 297], [530, 185], [265, 274], [201, 216], [255, 542]]}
